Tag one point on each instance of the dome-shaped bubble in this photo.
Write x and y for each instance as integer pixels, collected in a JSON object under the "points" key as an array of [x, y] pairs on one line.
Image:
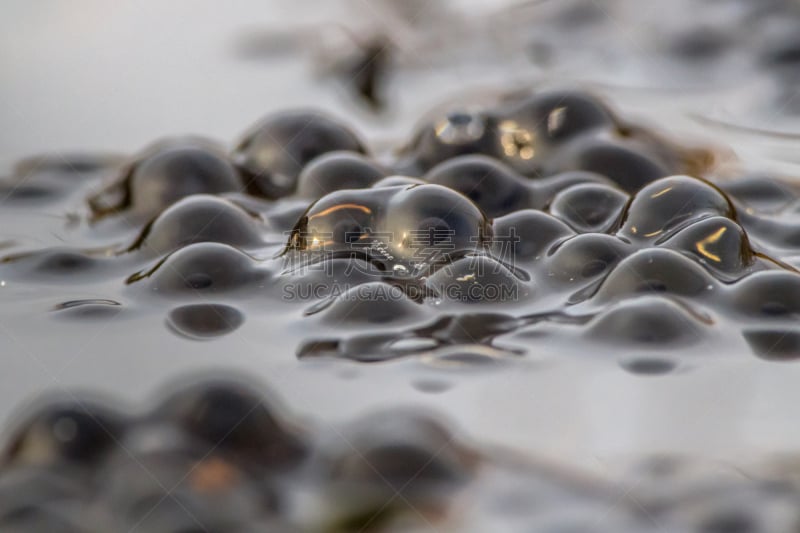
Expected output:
{"points": [[456, 133], [335, 171], [479, 279], [656, 270], [763, 193], [343, 222], [718, 243], [546, 188], [557, 115], [234, 418], [74, 431], [630, 165], [769, 295], [376, 303], [669, 204], [276, 149], [405, 226], [199, 218], [199, 270], [647, 321], [526, 235], [433, 223], [589, 208], [54, 262], [163, 174], [491, 185], [585, 257], [532, 127]]}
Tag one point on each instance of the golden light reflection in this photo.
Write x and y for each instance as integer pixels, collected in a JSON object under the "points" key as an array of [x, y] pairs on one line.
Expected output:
{"points": [[213, 476], [661, 192], [339, 207], [711, 239], [516, 140], [319, 244]]}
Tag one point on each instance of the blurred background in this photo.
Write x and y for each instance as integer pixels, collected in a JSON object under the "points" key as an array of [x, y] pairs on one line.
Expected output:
{"points": [[99, 76], [92, 75]]}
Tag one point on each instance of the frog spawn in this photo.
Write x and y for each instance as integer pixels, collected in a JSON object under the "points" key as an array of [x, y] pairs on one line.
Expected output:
{"points": [[627, 261], [537, 205], [396, 232], [222, 454], [677, 240], [163, 173], [400, 229], [218, 454]]}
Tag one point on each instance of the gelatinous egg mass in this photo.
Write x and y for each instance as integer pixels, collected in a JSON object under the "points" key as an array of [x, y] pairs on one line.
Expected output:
{"points": [[406, 227], [581, 272]]}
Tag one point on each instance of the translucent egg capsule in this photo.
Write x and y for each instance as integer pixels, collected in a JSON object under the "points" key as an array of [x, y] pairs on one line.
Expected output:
{"points": [[557, 115], [647, 321], [770, 295], [198, 218], [762, 193], [204, 321], [275, 150], [526, 235], [456, 133], [719, 244], [72, 431], [201, 269], [585, 257], [531, 127], [341, 222], [630, 164], [375, 303], [547, 187], [656, 270], [494, 187], [479, 279], [335, 171], [589, 208], [670, 204], [393, 226], [431, 223], [234, 418], [163, 174]]}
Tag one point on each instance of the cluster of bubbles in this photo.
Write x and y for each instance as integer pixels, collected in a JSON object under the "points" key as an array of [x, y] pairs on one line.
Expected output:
{"points": [[217, 455], [543, 220], [544, 215]]}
